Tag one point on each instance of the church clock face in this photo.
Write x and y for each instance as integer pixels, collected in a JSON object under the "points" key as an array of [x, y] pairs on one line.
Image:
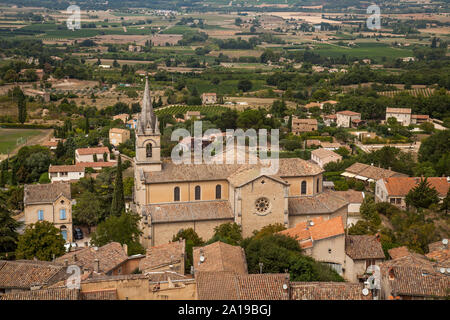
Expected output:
{"points": [[262, 206]]}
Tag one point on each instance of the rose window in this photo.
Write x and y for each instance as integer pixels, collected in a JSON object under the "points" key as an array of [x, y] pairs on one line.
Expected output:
{"points": [[262, 205]]}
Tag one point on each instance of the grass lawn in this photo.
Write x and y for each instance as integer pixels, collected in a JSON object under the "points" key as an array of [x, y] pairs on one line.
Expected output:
{"points": [[8, 138]]}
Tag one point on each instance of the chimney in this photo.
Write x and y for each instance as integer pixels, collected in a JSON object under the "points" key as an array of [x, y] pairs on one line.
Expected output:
{"points": [[96, 265], [75, 258], [377, 236], [66, 263], [125, 248], [86, 244]]}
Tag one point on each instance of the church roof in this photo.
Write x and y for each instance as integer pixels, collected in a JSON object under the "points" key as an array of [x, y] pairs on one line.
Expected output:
{"points": [[189, 211], [171, 172], [148, 122]]}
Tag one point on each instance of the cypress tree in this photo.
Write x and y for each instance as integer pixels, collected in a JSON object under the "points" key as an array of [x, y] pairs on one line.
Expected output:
{"points": [[13, 175], [86, 124], [22, 108], [118, 201], [3, 174]]}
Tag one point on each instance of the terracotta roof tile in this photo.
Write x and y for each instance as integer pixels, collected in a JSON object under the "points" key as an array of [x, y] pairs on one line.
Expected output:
{"points": [[400, 186], [398, 252], [225, 285], [220, 256], [328, 291], [398, 110], [69, 168], [88, 151], [363, 247], [109, 256], [349, 113], [45, 193], [322, 203], [163, 255], [352, 196], [23, 274], [108, 294], [324, 153], [372, 172], [189, 211], [45, 294]]}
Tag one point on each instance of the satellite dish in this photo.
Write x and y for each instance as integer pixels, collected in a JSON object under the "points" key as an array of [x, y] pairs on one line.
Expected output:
{"points": [[442, 270], [285, 286], [311, 223], [202, 258], [365, 291], [445, 241]]}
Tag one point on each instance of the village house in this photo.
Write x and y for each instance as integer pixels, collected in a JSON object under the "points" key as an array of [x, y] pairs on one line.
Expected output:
{"points": [[354, 199], [209, 98], [330, 145], [329, 119], [369, 173], [68, 173], [323, 156], [193, 115], [123, 117], [220, 256], [118, 136], [361, 252], [92, 154], [347, 119], [25, 275], [413, 276], [313, 105], [402, 115], [395, 189], [303, 125], [49, 202], [420, 118]]}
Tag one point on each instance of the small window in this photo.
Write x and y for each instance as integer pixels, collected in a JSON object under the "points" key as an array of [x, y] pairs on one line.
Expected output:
{"points": [[392, 200], [398, 200], [149, 150], [317, 188], [303, 191], [329, 251], [40, 215], [198, 192], [218, 191], [64, 234], [176, 194], [62, 214]]}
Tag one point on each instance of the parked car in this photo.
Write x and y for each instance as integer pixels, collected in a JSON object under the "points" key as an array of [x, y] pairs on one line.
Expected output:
{"points": [[78, 234]]}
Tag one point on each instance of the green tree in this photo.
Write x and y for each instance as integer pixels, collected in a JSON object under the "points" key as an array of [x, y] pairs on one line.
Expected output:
{"points": [[88, 210], [118, 201], [123, 229], [230, 233], [445, 206], [244, 85], [3, 173], [44, 178], [436, 150], [427, 127], [86, 124], [22, 110], [40, 240], [8, 233], [422, 195], [192, 240]]}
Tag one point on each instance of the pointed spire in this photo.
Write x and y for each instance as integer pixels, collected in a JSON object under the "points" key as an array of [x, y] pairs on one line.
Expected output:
{"points": [[147, 121]]}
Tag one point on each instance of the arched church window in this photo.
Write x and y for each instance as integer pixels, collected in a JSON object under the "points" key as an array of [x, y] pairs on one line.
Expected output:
{"points": [[218, 191], [176, 194], [198, 192], [149, 150], [303, 191]]}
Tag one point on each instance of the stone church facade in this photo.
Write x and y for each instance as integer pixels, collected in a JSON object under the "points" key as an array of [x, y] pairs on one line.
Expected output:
{"points": [[171, 197]]}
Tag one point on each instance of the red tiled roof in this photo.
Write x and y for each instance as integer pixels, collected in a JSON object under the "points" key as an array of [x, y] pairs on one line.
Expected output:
{"points": [[45, 193], [306, 233], [101, 164], [97, 150], [400, 186], [45, 294], [398, 252], [348, 113], [363, 247], [398, 110], [372, 172], [420, 116], [226, 285], [69, 168]]}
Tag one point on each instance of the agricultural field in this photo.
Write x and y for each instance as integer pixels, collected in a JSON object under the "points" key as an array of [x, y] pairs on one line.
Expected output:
{"points": [[174, 110], [11, 139]]}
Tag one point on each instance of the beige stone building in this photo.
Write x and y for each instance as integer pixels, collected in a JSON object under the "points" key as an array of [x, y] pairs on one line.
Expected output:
{"points": [[118, 136], [347, 119], [49, 202], [303, 125], [209, 98], [403, 115], [323, 156], [171, 197], [89, 154]]}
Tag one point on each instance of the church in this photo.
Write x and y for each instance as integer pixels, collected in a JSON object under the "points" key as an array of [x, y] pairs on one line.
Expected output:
{"points": [[170, 197]]}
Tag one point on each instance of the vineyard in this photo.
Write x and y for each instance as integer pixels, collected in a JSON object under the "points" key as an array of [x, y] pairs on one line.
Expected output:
{"points": [[426, 92], [174, 110]]}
